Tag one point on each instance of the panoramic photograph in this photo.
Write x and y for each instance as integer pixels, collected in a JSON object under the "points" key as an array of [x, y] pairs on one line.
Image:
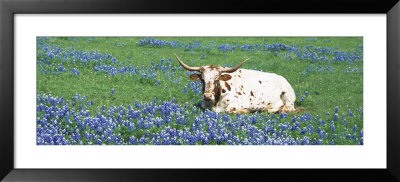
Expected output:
{"points": [[199, 91]]}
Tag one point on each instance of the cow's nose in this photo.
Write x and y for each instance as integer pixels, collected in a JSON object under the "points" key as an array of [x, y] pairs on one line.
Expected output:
{"points": [[207, 96]]}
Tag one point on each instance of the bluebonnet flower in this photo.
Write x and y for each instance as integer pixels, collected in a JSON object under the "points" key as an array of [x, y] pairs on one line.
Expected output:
{"points": [[306, 141], [61, 68], [350, 113], [314, 142], [355, 128], [132, 140], [333, 127], [303, 131], [316, 118], [75, 71], [311, 129], [355, 137]]}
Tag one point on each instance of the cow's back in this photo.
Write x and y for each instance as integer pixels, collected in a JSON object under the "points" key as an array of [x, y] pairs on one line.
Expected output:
{"points": [[256, 79]]}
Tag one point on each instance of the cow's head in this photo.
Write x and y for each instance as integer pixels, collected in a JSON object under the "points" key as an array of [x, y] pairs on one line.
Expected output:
{"points": [[210, 75]]}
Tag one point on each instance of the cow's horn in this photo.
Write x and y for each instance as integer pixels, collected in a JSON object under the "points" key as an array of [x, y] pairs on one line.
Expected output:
{"points": [[186, 66], [230, 70]]}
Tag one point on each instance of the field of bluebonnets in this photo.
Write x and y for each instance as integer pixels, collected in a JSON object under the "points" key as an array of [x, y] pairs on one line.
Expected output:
{"points": [[132, 91]]}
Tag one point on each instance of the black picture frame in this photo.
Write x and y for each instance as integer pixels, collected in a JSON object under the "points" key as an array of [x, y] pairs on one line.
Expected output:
{"points": [[9, 8]]}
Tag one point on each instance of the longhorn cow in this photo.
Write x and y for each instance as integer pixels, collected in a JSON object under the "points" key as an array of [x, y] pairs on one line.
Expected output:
{"points": [[234, 90]]}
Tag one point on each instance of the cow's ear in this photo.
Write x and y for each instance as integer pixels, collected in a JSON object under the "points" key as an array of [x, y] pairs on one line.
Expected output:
{"points": [[195, 77], [225, 77]]}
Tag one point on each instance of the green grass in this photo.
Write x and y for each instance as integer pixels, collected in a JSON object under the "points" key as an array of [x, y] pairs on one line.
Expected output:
{"points": [[326, 90]]}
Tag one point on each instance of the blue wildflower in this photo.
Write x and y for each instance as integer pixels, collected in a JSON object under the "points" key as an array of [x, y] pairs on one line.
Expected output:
{"points": [[355, 128], [350, 113]]}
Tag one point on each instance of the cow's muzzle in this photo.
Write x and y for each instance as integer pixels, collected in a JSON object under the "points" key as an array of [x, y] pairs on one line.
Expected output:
{"points": [[208, 96]]}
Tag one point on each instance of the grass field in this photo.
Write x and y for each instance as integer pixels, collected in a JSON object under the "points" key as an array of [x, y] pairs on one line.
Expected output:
{"points": [[131, 90]]}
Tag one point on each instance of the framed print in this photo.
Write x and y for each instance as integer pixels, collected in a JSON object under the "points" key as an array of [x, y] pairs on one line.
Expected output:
{"points": [[122, 91]]}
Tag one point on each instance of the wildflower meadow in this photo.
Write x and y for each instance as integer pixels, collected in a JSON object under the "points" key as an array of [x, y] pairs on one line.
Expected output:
{"points": [[132, 91]]}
